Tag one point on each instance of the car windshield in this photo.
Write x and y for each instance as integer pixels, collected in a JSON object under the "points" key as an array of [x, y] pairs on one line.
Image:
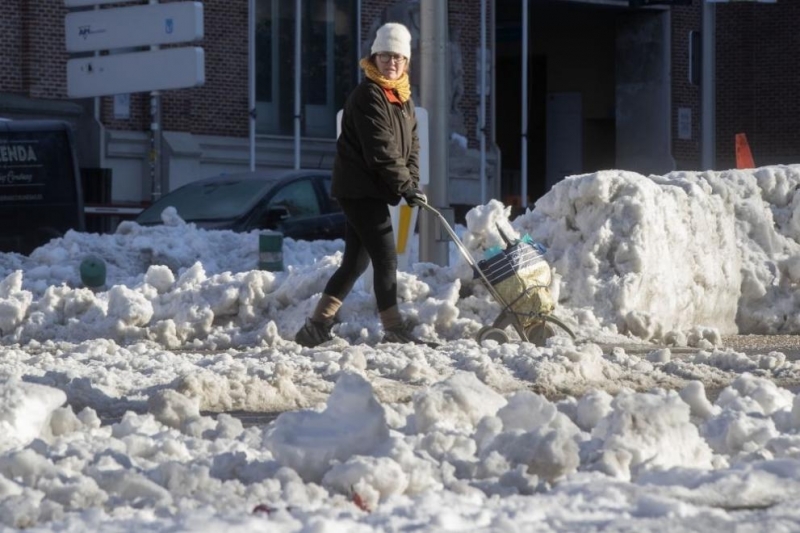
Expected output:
{"points": [[208, 201]]}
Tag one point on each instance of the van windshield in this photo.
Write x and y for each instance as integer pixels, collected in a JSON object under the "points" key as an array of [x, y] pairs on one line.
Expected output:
{"points": [[216, 200]]}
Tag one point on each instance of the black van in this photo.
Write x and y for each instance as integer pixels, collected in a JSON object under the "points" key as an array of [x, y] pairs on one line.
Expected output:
{"points": [[40, 186]]}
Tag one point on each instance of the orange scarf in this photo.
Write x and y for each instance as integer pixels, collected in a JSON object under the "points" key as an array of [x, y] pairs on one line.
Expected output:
{"points": [[401, 85]]}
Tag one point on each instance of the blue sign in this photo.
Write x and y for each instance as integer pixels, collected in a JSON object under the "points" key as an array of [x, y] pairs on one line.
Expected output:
{"points": [[169, 25]]}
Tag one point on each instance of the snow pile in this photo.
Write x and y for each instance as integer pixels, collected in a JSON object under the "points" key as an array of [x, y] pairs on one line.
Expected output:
{"points": [[459, 443], [119, 402]]}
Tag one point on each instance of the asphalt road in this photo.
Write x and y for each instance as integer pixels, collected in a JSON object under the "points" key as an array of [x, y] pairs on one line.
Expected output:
{"points": [[764, 344], [789, 345]]}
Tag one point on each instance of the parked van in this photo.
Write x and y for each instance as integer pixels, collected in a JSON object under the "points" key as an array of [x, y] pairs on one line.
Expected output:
{"points": [[40, 186]]}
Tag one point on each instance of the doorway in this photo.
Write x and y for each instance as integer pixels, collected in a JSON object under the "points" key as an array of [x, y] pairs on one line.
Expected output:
{"points": [[598, 91]]}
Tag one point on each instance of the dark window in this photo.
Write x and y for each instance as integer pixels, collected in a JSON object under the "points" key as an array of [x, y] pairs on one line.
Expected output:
{"points": [[329, 63], [208, 201], [299, 198], [334, 203]]}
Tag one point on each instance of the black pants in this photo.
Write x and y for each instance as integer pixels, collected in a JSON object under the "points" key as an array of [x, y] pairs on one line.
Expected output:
{"points": [[368, 236]]}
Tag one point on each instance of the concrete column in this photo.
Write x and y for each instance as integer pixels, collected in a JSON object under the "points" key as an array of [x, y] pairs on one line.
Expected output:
{"points": [[434, 88], [708, 83]]}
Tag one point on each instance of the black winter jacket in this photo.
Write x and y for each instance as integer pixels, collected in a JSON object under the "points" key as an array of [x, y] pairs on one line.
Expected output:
{"points": [[377, 153]]}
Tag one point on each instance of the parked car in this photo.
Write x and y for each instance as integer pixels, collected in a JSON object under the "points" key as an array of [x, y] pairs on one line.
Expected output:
{"points": [[295, 202]]}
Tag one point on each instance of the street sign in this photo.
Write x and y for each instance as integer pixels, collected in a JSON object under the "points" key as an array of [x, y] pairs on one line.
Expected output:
{"points": [[126, 27], [84, 3], [170, 68]]}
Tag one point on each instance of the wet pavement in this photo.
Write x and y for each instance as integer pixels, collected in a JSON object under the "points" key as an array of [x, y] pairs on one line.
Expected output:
{"points": [[789, 345]]}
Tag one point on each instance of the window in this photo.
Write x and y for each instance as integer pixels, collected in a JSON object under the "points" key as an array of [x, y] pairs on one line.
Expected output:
{"points": [[334, 203], [299, 198], [328, 58]]}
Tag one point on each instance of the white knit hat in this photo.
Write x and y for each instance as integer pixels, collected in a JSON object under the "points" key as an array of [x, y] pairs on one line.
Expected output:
{"points": [[392, 37]]}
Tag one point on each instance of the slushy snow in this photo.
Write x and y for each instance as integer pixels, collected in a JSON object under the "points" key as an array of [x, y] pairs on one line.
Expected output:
{"points": [[174, 398]]}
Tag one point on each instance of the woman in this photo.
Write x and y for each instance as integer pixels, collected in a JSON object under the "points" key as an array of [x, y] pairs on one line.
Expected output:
{"points": [[376, 164]]}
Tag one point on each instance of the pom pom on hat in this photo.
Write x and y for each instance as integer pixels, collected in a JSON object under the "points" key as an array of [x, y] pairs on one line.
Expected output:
{"points": [[392, 37]]}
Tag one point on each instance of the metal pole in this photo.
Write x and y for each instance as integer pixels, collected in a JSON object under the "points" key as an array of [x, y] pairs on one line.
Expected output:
{"points": [[524, 164], [498, 160], [251, 74], [155, 138], [359, 42], [97, 98], [708, 87], [482, 118], [298, 73], [155, 144], [434, 89]]}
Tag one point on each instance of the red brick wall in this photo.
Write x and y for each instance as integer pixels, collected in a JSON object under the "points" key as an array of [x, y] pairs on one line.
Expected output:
{"points": [[758, 73], [684, 94], [32, 54], [33, 64], [370, 11], [734, 79], [465, 15], [220, 106], [11, 31]]}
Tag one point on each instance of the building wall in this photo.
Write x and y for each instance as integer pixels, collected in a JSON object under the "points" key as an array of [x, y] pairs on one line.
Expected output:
{"points": [[464, 28], [686, 152], [33, 58], [11, 56], [220, 106], [758, 73]]}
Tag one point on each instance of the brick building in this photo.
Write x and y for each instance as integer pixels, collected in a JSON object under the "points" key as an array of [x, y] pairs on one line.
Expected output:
{"points": [[608, 87]]}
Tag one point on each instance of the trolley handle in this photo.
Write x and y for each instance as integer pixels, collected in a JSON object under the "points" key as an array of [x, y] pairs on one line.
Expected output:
{"points": [[449, 230], [464, 252]]}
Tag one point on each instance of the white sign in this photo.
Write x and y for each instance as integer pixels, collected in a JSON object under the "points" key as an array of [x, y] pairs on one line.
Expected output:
{"points": [[122, 106], [124, 27], [170, 68], [84, 3]]}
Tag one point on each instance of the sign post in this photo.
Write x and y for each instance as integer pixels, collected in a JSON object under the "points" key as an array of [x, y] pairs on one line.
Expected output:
{"points": [[152, 71]]}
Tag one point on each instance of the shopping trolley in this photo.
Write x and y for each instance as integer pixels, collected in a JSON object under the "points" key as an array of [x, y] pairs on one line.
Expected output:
{"points": [[518, 278]]}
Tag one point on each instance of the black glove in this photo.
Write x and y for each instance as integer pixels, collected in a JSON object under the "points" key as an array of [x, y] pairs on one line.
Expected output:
{"points": [[415, 197]]}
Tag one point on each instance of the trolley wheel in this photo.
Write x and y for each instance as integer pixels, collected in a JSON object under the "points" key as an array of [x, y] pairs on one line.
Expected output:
{"points": [[539, 332], [557, 321], [491, 333]]}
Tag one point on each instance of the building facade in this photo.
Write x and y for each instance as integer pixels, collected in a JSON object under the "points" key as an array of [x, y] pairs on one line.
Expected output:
{"points": [[608, 86]]}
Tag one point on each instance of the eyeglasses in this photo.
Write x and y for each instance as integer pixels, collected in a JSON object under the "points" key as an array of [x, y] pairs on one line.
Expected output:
{"points": [[386, 57]]}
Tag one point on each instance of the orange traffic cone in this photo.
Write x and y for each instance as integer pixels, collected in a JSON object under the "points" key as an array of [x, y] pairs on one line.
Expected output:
{"points": [[744, 158]]}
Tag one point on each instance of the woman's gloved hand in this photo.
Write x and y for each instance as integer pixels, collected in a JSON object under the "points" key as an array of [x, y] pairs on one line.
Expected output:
{"points": [[415, 197]]}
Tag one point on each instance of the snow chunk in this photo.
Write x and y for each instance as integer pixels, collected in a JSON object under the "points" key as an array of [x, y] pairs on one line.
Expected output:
{"points": [[25, 411], [353, 423]]}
